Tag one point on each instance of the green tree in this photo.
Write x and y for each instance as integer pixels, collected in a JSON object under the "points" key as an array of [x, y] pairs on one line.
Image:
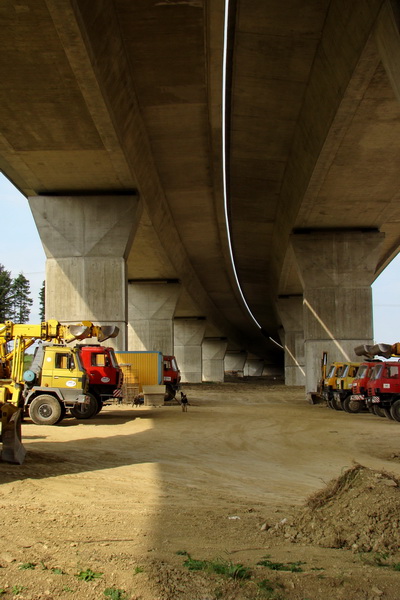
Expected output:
{"points": [[42, 301], [21, 302], [5, 294]]}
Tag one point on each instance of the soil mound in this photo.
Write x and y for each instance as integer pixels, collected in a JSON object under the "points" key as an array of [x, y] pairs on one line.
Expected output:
{"points": [[360, 511]]}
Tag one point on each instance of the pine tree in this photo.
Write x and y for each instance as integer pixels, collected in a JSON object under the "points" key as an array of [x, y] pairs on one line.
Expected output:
{"points": [[42, 301], [5, 294], [22, 301]]}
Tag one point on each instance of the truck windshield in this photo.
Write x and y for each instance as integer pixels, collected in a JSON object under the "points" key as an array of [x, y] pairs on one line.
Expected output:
{"points": [[376, 372], [392, 371], [362, 371], [78, 361], [331, 371], [345, 371], [113, 358]]}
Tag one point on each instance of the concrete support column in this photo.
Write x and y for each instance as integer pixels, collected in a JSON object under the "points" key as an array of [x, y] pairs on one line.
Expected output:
{"points": [[151, 308], [189, 334], [234, 362], [253, 367], [336, 270], [86, 240], [214, 350], [290, 310]]}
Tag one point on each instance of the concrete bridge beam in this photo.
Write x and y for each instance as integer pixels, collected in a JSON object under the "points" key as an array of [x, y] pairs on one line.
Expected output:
{"points": [[336, 270], [86, 240], [151, 308], [290, 309]]}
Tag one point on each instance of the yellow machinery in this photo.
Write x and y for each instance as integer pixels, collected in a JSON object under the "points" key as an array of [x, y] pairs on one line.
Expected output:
{"points": [[344, 385], [55, 381]]}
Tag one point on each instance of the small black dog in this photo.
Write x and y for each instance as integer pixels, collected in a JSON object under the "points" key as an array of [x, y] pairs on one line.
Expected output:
{"points": [[184, 402], [138, 400]]}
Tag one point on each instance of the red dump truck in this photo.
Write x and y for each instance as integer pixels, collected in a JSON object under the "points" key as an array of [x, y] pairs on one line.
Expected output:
{"points": [[105, 378], [149, 368]]}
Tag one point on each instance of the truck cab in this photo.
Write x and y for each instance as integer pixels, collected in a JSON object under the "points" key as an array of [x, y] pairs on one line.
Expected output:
{"points": [[105, 374], [344, 383], [359, 389], [383, 389], [329, 383], [55, 382], [172, 376]]}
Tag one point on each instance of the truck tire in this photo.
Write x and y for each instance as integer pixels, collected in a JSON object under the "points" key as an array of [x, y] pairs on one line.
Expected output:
{"points": [[45, 410], [395, 410], [379, 411], [85, 411], [170, 393], [351, 406]]}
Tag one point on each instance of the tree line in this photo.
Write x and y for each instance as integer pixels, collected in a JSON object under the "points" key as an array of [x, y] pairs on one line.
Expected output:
{"points": [[15, 298]]}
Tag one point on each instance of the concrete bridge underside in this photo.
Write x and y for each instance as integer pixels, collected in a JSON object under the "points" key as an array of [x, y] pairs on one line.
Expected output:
{"points": [[111, 122]]}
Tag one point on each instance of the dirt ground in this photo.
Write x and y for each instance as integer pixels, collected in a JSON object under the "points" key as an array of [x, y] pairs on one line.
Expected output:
{"points": [[152, 503]]}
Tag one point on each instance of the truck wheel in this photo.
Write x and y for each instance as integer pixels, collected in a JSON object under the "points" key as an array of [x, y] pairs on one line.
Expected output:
{"points": [[379, 411], [63, 413], [330, 403], [45, 410], [170, 393], [85, 411], [395, 410], [351, 406], [99, 406]]}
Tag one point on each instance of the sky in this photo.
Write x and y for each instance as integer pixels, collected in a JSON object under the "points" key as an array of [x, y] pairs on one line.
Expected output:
{"points": [[21, 251]]}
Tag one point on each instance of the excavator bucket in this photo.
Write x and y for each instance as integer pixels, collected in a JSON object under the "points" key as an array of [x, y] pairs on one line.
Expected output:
{"points": [[106, 332], [364, 350], [78, 332], [13, 450], [384, 350]]}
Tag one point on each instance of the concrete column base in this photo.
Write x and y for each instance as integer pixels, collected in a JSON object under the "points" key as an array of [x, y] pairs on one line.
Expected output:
{"points": [[213, 359], [151, 308], [234, 363], [254, 367], [189, 334], [290, 309]]}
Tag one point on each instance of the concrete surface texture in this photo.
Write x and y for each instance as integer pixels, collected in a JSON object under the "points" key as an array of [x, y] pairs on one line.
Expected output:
{"points": [[124, 98]]}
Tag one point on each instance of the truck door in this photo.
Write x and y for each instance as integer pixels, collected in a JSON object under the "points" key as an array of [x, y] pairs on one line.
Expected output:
{"points": [[59, 369]]}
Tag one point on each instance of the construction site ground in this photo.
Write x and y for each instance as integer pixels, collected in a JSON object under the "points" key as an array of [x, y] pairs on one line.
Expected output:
{"points": [[230, 500]]}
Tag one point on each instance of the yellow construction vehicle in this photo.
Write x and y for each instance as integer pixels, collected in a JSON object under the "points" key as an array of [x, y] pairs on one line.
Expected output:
{"points": [[55, 381]]}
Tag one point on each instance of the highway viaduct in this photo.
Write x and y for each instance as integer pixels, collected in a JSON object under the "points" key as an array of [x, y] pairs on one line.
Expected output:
{"points": [[157, 140]]}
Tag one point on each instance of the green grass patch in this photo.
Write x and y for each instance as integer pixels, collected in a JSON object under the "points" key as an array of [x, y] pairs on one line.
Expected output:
{"points": [[17, 589], [115, 594], [26, 566], [88, 575], [220, 567], [293, 567]]}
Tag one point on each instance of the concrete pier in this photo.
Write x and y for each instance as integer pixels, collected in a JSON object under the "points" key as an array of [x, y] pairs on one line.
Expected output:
{"points": [[290, 310], [214, 350], [151, 307], [86, 240], [336, 270], [189, 334]]}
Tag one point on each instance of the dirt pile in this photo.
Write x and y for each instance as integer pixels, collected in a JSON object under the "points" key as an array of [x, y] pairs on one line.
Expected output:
{"points": [[360, 511]]}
